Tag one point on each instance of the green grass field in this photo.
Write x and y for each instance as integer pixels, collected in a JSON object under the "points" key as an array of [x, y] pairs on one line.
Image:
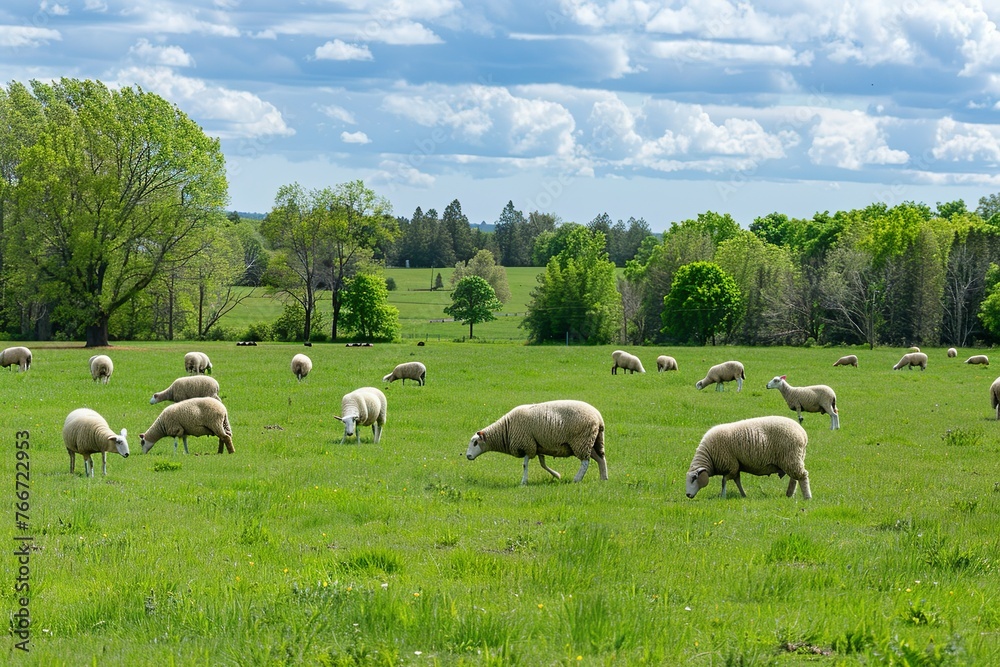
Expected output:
{"points": [[301, 550]]}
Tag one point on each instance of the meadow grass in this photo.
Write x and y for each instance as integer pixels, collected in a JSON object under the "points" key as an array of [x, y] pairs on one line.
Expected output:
{"points": [[298, 549]]}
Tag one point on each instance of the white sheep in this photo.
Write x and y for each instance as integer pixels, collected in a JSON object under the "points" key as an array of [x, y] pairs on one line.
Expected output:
{"points": [[626, 361], [86, 432], [995, 396], [101, 368], [849, 360], [758, 446], [197, 362], [727, 371], [363, 407], [19, 356], [952, 352], [911, 359], [978, 359], [195, 416], [914, 349], [411, 370], [665, 363], [812, 398], [301, 366], [555, 428], [189, 386]]}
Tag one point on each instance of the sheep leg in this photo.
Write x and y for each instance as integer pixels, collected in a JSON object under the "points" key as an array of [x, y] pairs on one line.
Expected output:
{"points": [[602, 465], [88, 466], [804, 485], [739, 384], [377, 431], [541, 460], [584, 464], [791, 487], [834, 421], [800, 415], [723, 494], [739, 485], [719, 387], [524, 477], [104, 463], [72, 455], [185, 438]]}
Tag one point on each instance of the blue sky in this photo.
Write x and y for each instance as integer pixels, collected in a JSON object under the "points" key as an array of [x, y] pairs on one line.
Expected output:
{"points": [[645, 108]]}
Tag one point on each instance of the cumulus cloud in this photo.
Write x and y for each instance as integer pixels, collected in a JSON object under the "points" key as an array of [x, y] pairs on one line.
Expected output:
{"points": [[95, 5], [338, 113], [166, 21], [965, 142], [726, 53], [355, 138], [171, 56], [340, 50], [394, 172], [54, 8], [851, 140], [21, 35]]}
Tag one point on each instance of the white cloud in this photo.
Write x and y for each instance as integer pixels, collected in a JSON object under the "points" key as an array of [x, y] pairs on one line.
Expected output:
{"points": [[95, 5], [355, 138], [338, 113], [227, 113], [726, 53], [965, 142], [394, 173], [340, 50], [851, 140], [166, 21], [171, 56], [18, 36], [53, 8]]}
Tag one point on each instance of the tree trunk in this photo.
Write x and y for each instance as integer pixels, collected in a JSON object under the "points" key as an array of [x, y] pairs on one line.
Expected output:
{"points": [[97, 333], [470, 329], [336, 313]]}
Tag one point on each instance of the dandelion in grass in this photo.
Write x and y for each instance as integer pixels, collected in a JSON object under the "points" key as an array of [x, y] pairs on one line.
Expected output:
{"points": [[540, 605], [416, 595]]}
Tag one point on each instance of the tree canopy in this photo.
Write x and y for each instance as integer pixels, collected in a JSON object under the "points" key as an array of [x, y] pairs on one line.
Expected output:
{"points": [[703, 302], [473, 302]]}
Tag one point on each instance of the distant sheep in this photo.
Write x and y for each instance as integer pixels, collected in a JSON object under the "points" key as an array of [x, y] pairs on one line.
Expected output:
{"points": [[86, 432], [189, 386], [759, 446], [626, 361], [197, 362], [727, 371], [363, 407], [812, 398], [301, 366], [912, 359], [849, 360], [16, 356], [195, 416], [914, 349], [978, 359], [665, 363], [554, 428], [411, 370], [995, 396], [101, 368], [952, 352]]}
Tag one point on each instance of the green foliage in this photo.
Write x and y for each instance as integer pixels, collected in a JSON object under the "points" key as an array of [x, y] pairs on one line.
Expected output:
{"points": [[367, 313], [473, 302], [704, 301], [438, 282], [484, 265], [390, 284], [289, 326]]}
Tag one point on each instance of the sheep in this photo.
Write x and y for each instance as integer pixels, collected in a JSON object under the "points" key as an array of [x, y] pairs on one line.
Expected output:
{"points": [[980, 359], [189, 386], [914, 349], [911, 359], [20, 356], [363, 407], [197, 362], [995, 396], [813, 398], [849, 360], [626, 361], [952, 352], [554, 428], [724, 372], [665, 363], [86, 432], [101, 368], [411, 370], [758, 446], [301, 366], [195, 416]]}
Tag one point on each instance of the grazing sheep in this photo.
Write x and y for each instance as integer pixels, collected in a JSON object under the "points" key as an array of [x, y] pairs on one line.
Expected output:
{"points": [[849, 360], [758, 446], [86, 432], [995, 396], [727, 371], [554, 428], [189, 386], [626, 361], [197, 362], [952, 352], [665, 363], [411, 370], [813, 398], [101, 368], [20, 356], [195, 416], [978, 359], [914, 349], [301, 366], [363, 407], [912, 359]]}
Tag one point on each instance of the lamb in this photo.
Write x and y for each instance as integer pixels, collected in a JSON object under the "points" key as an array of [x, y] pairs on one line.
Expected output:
{"points": [[724, 372], [101, 368], [758, 446], [665, 363], [995, 396], [363, 407], [912, 359], [301, 366], [980, 359], [21, 356], [189, 386], [86, 432], [195, 416], [411, 370], [554, 428], [197, 362], [914, 349], [627, 361], [813, 398], [849, 360], [952, 352]]}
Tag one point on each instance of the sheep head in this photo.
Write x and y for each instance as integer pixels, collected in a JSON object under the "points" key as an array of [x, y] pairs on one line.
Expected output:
{"points": [[696, 481], [475, 446], [120, 443]]}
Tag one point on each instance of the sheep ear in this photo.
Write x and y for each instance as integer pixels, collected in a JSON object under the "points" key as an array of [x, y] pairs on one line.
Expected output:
{"points": [[702, 478], [113, 438], [481, 435], [124, 433], [340, 419], [782, 377]]}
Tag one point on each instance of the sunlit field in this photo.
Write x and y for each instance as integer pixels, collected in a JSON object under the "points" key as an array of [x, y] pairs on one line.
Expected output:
{"points": [[302, 549]]}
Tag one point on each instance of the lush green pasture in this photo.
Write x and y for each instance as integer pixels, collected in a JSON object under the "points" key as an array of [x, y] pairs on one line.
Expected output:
{"points": [[300, 549]]}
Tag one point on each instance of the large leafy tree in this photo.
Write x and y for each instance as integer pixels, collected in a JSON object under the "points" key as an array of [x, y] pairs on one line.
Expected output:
{"points": [[704, 301], [115, 188], [484, 265], [473, 301], [367, 312]]}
